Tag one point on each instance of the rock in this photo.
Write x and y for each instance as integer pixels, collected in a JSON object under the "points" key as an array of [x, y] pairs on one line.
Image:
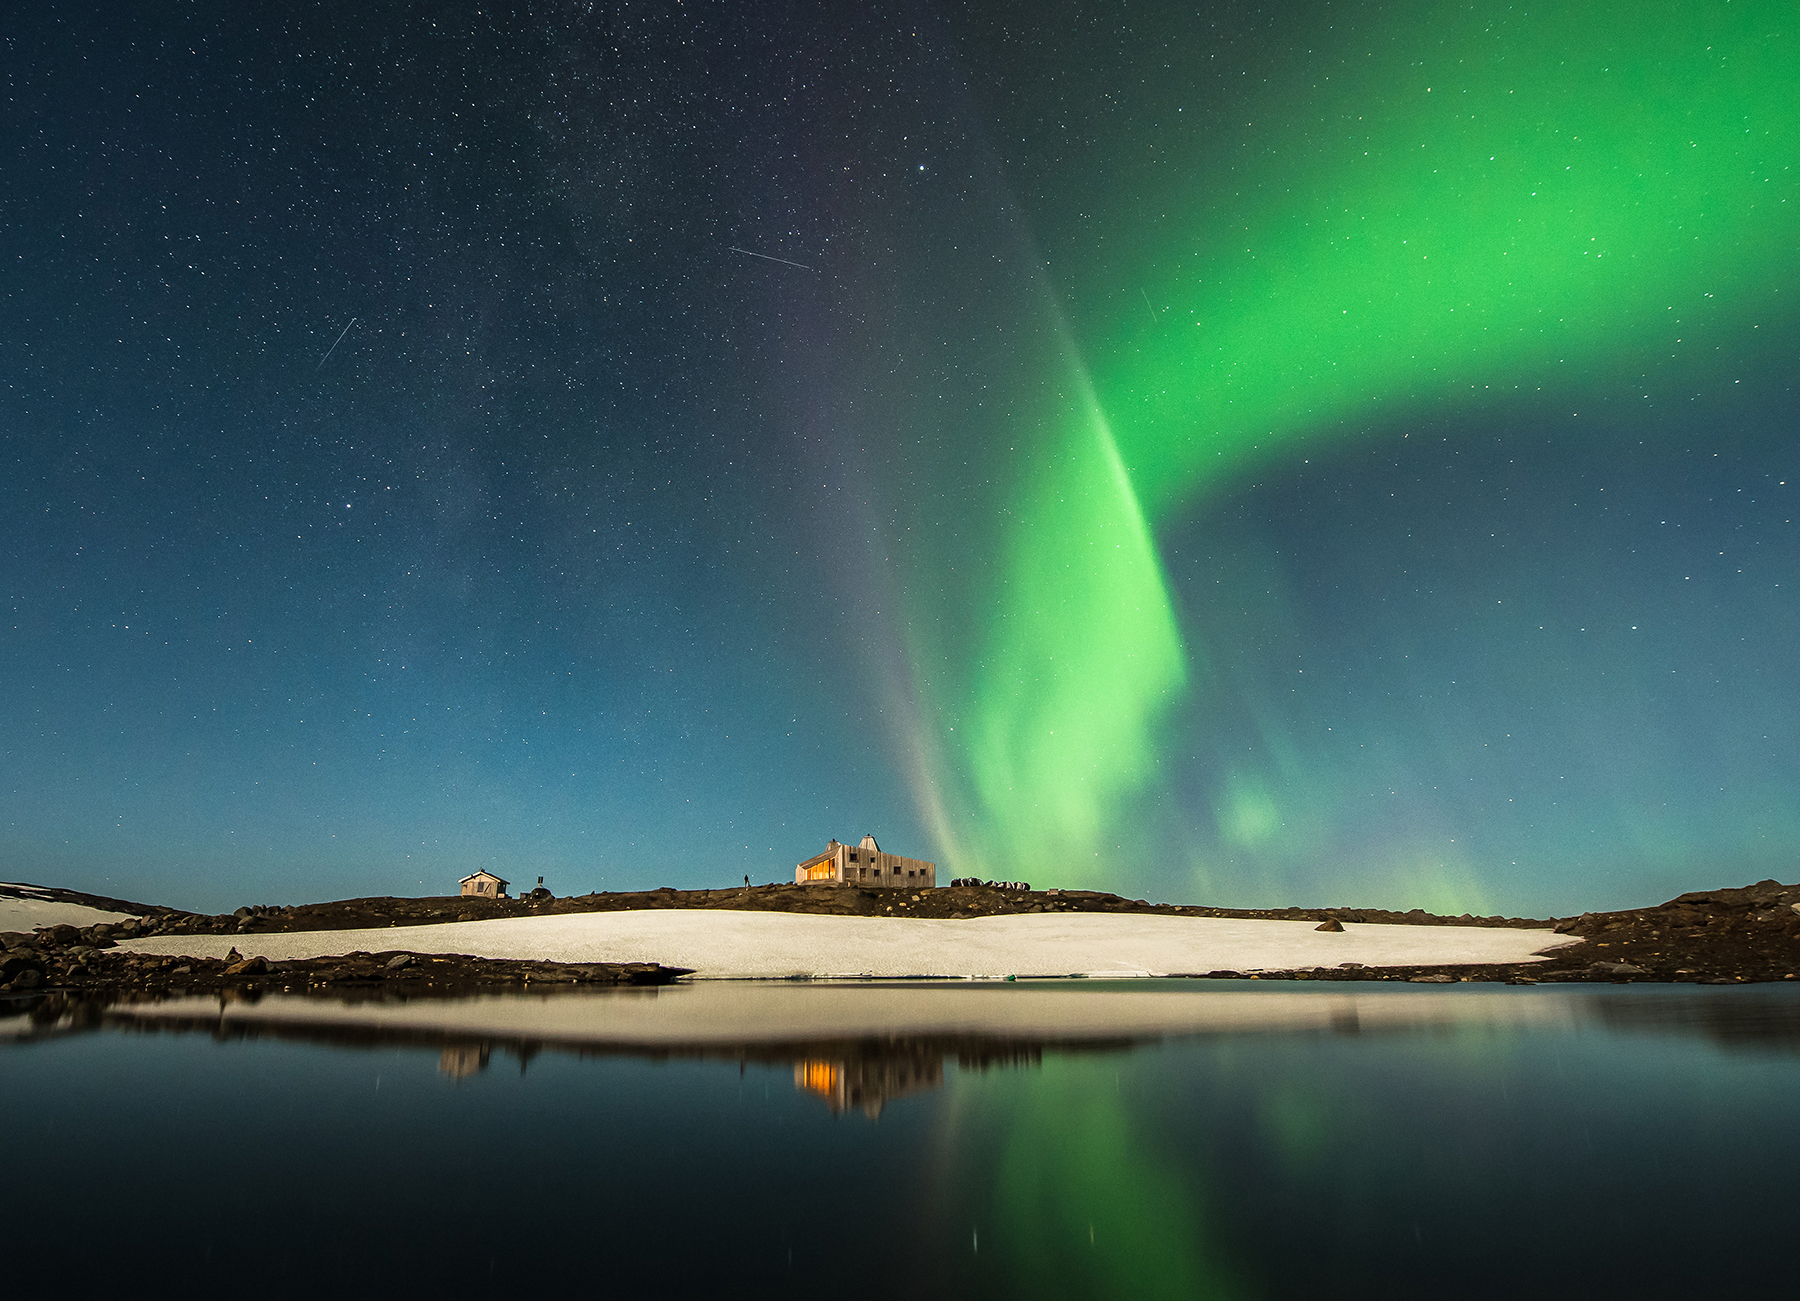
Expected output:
{"points": [[233, 956], [1618, 969], [248, 967], [1438, 978], [13, 939], [403, 960], [30, 978], [1330, 924], [20, 960], [240, 912]]}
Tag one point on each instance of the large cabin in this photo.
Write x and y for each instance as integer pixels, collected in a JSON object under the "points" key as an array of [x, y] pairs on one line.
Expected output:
{"points": [[865, 864]]}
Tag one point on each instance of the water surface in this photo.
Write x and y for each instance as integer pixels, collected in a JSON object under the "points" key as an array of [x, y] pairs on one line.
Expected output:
{"points": [[1130, 1139]]}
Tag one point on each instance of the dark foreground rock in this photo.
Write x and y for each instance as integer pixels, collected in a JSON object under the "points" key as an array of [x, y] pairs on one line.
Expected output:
{"points": [[1711, 937], [29, 968]]}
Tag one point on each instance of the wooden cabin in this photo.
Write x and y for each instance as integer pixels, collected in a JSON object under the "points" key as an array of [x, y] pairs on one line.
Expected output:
{"points": [[865, 864], [484, 885]]}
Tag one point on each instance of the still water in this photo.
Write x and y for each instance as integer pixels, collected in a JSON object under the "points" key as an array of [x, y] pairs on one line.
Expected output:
{"points": [[1118, 1139]]}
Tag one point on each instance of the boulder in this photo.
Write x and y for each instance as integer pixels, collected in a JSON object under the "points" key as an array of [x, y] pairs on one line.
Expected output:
{"points": [[17, 960], [1330, 924]]}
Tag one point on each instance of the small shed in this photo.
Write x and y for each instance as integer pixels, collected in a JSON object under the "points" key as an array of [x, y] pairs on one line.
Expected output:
{"points": [[484, 885]]}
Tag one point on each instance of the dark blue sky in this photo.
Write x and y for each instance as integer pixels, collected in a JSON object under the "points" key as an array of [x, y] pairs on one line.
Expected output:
{"points": [[590, 550]]}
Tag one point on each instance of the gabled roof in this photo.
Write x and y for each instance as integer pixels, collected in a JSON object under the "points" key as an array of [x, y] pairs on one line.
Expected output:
{"points": [[489, 875]]}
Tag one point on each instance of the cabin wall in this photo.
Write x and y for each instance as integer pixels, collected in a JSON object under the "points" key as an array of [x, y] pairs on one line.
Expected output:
{"points": [[853, 865]]}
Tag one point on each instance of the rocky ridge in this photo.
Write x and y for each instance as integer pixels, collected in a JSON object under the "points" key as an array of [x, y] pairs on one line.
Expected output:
{"points": [[952, 903], [83, 958]]}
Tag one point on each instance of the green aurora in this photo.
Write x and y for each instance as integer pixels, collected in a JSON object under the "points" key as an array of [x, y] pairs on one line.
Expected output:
{"points": [[1477, 207]]}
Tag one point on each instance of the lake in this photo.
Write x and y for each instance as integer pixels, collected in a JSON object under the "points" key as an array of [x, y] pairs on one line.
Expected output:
{"points": [[1232, 1139]]}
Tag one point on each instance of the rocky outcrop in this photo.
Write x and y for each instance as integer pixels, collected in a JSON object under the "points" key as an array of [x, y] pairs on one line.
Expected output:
{"points": [[66, 958]]}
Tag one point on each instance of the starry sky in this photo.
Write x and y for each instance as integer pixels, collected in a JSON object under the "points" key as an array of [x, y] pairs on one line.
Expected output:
{"points": [[1318, 453]]}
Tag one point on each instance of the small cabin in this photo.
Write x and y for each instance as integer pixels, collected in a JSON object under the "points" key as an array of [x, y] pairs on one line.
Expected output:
{"points": [[484, 885]]}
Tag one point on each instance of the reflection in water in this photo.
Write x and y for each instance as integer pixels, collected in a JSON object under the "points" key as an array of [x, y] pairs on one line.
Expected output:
{"points": [[850, 1077], [1754, 1018], [867, 1084], [1219, 1140], [1082, 1197], [459, 1061]]}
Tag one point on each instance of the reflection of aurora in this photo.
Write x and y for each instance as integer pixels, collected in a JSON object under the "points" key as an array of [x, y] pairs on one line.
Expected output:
{"points": [[1414, 1153], [1240, 1141], [1092, 1209], [1505, 205]]}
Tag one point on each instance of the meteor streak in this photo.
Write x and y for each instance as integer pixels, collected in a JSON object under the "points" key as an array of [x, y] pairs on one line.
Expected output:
{"points": [[333, 347], [766, 258]]}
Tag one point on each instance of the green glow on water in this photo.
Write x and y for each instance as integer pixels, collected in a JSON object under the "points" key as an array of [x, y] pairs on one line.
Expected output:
{"points": [[1088, 1208], [1477, 207]]}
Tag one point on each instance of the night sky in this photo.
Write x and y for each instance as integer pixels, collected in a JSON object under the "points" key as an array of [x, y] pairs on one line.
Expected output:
{"points": [[1313, 453]]}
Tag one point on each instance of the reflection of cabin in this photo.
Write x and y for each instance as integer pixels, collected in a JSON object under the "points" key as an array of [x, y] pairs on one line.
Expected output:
{"points": [[485, 884], [865, 864], [459, 1061], [868, 1083]]}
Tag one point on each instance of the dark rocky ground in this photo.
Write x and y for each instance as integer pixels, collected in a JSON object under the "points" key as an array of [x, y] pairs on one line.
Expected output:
{"points": [[855, 901], [1715, 936], [86, 959], [1711, 937]]}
